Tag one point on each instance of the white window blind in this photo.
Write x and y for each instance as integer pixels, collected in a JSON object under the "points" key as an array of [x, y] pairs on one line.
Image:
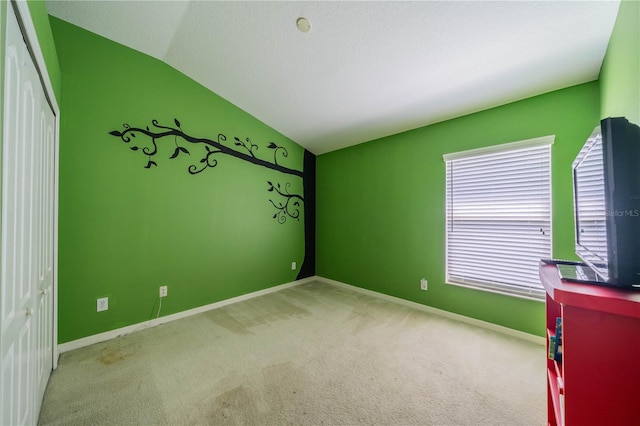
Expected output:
{"points": [[498, 202]]}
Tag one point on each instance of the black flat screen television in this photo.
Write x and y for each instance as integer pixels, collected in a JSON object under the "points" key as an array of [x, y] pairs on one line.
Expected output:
{"points": [[606, 192]]}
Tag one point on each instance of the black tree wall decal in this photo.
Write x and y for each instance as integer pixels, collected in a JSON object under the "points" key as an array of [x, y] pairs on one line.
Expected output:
{"points": [[287, 205]]}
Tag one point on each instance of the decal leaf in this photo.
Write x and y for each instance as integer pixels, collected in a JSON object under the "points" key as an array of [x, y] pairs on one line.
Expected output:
{"points": [[175, 120], [272, 145], [183, 149], [134, 148], [115, 133], [175, 153]]}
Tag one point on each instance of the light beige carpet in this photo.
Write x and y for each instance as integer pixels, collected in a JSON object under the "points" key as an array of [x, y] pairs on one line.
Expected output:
{"points": [[314, 354]]}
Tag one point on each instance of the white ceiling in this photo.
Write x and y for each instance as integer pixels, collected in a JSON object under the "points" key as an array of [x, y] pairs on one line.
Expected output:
{"points": [[366, 69]]}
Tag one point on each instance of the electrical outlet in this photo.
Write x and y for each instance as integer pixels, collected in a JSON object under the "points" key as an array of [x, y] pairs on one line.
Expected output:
{"points": [[163, 291], [293, 266], [424, 284], [103, 304]]}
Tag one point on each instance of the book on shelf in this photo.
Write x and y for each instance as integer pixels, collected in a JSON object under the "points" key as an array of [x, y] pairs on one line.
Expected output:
{"points": [[555, 342]]}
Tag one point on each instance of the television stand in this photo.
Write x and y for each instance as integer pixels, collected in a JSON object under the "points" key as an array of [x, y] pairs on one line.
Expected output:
{"points": [[597, 380]]}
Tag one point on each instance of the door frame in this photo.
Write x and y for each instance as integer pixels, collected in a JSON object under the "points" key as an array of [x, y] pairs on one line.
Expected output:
{"points": [[25, 21]]}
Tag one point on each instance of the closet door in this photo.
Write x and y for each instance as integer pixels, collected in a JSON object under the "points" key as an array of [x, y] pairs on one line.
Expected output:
{"points": [[26, 278]]}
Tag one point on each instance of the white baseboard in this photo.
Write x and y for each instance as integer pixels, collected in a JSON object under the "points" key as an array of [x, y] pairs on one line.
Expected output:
{"points": [[112, 334], [479, 323]]}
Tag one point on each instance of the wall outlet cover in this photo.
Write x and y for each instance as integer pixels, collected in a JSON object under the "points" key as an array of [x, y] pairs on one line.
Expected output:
{"points": [[103, 304], [293, 266], [424, 285], [163, 291]]}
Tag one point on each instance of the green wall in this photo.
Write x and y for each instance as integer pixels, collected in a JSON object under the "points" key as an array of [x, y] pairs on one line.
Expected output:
{"points": [[381, 205], [620, 73], [126, 230]]}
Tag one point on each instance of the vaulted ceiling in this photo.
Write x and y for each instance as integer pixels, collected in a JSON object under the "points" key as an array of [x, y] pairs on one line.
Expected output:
{"points": [[365, 69]]}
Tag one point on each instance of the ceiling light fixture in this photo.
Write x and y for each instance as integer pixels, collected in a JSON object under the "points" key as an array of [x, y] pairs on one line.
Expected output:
{"points": [[303, 25]]}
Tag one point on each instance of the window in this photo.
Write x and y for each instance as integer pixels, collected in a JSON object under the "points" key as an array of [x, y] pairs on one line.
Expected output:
{"points": [[498, 203]]}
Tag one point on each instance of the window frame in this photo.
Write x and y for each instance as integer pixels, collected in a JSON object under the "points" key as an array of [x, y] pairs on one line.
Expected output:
{"points": [[536, 293]]}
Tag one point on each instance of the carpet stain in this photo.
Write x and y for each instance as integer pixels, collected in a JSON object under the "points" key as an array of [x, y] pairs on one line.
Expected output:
{"points": [[269, 396], [266, 310], [222, 318], [280, 309], [235, 406], [110, 356]]}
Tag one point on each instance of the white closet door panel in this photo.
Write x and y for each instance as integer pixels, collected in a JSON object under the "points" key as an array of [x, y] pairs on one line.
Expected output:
{"points": [[9, 385], [28, 195], [12, 95], [15, 322]]}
